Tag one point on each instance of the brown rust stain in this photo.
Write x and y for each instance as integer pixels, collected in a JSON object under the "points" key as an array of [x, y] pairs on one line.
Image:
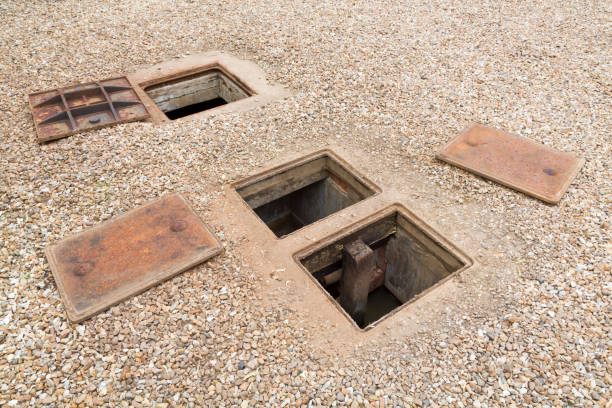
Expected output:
{"points": [[105, 264], [516, 162], [62, 112], [342, 184]]}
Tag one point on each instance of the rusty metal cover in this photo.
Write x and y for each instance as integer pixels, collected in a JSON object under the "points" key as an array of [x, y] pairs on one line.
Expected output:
{"points": [[66, 111], [513, 161], [122, 257]]}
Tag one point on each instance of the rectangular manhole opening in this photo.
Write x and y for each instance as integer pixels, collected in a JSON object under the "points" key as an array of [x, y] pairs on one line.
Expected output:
{"points": [[297, 195], [191, 94], [381, 266]]}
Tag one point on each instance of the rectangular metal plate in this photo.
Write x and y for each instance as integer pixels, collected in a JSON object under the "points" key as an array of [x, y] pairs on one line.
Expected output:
{"points": [[122, 257], [513, 161], [62, 112]]}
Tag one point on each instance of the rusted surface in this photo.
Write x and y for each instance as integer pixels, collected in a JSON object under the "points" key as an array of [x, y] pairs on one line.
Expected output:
{"points": [[358, 264], [378, 278], [513, 161], [63, 112], [106, 264]]}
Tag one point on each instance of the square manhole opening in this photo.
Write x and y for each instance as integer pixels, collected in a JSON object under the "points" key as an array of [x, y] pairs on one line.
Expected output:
{"points": [[374, 268], [299, 193], [195, 93]]}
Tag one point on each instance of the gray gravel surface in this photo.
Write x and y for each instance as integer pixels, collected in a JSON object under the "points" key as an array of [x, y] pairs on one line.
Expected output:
{"points": [[395, 80]]}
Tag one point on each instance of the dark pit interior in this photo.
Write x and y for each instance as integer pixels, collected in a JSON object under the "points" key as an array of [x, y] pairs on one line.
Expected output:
{"points": [[195, 108], [290, 199], [196, 93], [405, 261]]}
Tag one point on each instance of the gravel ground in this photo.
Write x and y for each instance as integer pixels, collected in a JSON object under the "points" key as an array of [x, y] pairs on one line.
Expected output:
{"points": [[394, 80]]}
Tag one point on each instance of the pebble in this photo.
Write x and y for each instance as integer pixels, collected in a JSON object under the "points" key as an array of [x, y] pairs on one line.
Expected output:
{"points": [[388, 84]]}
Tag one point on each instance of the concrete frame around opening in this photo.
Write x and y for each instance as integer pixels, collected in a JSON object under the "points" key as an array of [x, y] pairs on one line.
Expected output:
{"points": [[270, 256], [359, 178], [244, 72], [422, 228]]}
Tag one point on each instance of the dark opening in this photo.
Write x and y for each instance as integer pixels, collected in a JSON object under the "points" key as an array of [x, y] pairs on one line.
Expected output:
{"points": [[196, 93], [380, 302], [405, 262], [293, 198], [195, 108], [304, 206]]}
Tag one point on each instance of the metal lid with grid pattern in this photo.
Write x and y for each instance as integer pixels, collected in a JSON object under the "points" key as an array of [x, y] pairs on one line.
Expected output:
{"points": [[65, 111]]}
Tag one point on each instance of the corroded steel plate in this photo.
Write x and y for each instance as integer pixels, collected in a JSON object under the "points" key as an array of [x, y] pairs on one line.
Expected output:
{"points": [[62, 112], [122, 257], [513, 161]]}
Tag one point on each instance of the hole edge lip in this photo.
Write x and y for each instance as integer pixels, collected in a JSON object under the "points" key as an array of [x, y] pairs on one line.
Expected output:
{"points": [[246, 72], [301, 160], [190, 73], [194, 73], [296, 162], [377, 215]]}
